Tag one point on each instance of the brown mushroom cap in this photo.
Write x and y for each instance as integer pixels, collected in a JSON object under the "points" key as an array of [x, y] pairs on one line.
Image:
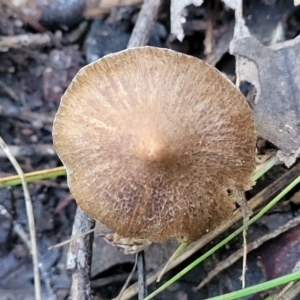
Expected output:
{"points": [[152, 140]]}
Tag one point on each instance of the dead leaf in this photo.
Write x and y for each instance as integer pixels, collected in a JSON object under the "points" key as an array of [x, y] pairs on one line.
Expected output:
{"points": [[177, 7], [275, 73], [177, 17]]}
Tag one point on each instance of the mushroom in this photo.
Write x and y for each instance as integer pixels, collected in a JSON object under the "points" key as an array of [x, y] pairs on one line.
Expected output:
{"points": [[152, 140]]}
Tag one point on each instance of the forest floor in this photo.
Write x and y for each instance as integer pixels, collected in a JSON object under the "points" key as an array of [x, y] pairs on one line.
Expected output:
{"points": [[39, 56]]}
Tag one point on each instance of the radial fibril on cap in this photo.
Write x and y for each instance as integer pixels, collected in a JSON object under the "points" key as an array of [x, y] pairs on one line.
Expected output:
{"points": [[152, 140]]}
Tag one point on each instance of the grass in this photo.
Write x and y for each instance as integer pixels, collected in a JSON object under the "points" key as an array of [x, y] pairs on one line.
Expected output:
{"points": [[253, 289]]}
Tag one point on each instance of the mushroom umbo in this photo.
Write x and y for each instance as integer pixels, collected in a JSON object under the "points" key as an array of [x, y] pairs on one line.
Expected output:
{"points": [[152, 140]]}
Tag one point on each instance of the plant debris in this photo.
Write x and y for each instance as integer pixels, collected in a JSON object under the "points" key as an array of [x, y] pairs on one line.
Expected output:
{"points": [[275, 74], [43, 46]]}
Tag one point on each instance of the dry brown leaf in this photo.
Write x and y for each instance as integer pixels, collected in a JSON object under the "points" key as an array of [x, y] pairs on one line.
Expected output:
{"points": [[275, 73]]}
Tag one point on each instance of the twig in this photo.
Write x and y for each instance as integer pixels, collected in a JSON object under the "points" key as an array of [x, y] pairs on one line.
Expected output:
{"points": [[119, 297], [76, 34], [113, 279], [283, 293], [221, 46], [73, 238], [254, 245], [29, 212], [245, 252], [18, 229], [246, 212], [9, 91], [37, 120], [144, 23], [254, 203], [80, 256], [141, 275], [30, 150], [208, 41], [95, 9], [24, 40], [24, 17], [291, 291]]}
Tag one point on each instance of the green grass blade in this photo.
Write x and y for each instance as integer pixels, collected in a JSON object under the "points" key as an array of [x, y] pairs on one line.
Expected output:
{"points": [[226, 240], [268, 165], [33, 176], [259, 287]]}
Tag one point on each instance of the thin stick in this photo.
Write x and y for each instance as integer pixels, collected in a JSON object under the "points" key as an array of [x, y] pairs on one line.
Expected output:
{"points": [[31, 226], [128, 279], [291, 291], [80, 256], [73, 238], [9, 91], [144, 23], [230, 260], [245, 251], [16, 227], [24, 40], [246, 212], [30, 150], [26, 18], [141, 275]]}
